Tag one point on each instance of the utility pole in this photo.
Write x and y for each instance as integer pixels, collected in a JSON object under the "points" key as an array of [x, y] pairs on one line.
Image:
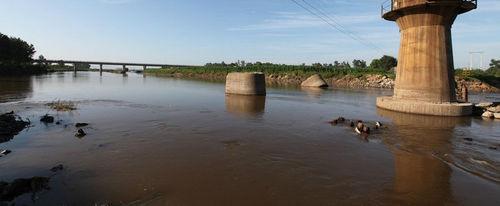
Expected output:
{"points": [[471, 58]]}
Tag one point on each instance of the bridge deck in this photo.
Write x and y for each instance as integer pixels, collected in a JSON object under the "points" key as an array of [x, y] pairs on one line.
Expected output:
{"points": [[109, 63]]}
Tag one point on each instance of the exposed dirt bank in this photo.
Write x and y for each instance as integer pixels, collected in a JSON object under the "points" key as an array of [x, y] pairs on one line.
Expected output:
{"points": [[347, 81]]}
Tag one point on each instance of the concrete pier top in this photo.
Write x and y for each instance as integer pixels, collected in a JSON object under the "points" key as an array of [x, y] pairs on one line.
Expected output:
{"points": [[248, 83]]}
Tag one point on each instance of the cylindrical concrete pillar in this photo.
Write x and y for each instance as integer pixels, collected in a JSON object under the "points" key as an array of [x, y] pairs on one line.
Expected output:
{"points": [[425, 80], [425, 67], [250, 83]]}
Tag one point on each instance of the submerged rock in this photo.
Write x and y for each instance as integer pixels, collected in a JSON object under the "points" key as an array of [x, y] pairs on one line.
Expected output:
{"points": [[57, 168], [81, 124], [80, 133], [314, 81], [11, 125], [47, 119]]}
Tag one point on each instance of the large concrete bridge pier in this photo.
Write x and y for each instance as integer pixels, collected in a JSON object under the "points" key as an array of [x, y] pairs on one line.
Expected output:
{"points": [[425, 81]]}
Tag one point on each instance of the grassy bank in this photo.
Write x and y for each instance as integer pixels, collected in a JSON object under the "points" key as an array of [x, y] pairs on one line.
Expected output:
{"points": [[490, 76]]}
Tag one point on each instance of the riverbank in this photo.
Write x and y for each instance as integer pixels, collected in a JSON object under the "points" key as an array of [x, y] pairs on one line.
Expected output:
{"points": [[335, 78]]}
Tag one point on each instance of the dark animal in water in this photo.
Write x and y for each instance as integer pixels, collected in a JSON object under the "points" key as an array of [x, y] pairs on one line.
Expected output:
{"points": [[47, 119]]}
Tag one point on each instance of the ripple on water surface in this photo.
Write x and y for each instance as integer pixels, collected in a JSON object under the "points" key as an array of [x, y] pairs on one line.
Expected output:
{"points": [[163, 141]]}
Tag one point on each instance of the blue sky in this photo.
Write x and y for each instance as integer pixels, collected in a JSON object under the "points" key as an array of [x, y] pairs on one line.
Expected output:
{"points": [[200, 31]]}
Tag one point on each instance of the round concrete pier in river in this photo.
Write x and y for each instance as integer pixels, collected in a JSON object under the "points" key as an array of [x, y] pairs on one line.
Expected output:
{"points": [[248, 83], [425, 81]]}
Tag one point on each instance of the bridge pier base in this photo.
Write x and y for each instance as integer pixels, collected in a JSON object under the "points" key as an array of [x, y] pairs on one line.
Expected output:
{"points": [[124, 70], [100, 69], [248, 83], [74, 68], [144, 67]]}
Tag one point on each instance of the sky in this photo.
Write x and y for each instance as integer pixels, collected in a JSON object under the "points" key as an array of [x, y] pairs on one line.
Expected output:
{"points": [[194, 32]]}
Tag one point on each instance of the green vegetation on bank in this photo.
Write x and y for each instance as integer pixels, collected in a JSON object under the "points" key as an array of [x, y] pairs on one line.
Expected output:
{"points": [[490, 76], [16, 57], [359, 68]]}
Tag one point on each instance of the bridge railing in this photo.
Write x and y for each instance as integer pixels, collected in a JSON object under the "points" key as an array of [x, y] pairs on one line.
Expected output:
{"points": [[391, 5]]}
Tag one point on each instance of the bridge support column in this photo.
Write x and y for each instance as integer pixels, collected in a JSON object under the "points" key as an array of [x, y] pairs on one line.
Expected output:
{"points": [[124, 70], [425, 82], [74, 68], [100, 69], [145, 67]]}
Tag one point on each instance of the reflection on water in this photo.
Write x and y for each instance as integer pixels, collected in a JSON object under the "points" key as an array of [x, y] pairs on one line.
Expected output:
{"points": [[313, 92], [15, 88], [245, 105], [164, 141], [420, 177]]}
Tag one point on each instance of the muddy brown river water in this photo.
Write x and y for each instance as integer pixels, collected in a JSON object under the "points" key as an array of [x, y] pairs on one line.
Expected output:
{"points": [[163, 141]]}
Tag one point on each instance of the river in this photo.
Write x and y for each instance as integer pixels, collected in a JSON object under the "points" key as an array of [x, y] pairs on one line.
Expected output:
{"points": [[166, 141]]}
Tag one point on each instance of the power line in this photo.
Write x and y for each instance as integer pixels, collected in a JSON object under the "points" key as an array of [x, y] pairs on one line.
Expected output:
{"points": [[347, 32], [336, 25]]}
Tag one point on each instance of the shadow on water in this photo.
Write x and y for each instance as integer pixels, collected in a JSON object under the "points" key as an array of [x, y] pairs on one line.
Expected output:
{"points": [[419, 146], [15, 88], [246, 106]]}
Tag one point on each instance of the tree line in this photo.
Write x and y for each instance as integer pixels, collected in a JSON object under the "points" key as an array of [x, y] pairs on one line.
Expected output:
{"points": [[16, 57], [386, 63]]}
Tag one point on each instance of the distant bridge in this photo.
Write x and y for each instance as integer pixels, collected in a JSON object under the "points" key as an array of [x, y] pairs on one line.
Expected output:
{"points": [[123, 64]]}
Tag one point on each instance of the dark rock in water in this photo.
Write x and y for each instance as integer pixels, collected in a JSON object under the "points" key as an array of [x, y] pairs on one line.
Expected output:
{"points": [[80, 133], [9, 191], [468, 139], [47, 119], [11, 125], [352, 124], [4, 152], [58, 122], [57, 168], [341, 119], [81, 124]]}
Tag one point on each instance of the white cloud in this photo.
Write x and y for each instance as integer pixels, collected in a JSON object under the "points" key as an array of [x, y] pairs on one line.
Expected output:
{"points": [[292, 20]]}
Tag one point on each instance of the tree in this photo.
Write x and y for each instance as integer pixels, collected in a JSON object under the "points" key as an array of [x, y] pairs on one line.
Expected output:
{"points": [[336, 64], [15, 50], [41, 58], [345, 65], [495, 64], [16, 57], [386, 63], [359, 64], [317, 65], [494, 68]]}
